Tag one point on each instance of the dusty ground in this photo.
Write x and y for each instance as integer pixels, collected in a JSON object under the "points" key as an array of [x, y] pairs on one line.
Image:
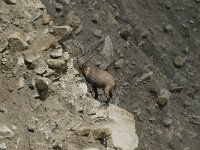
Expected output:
{"points": [[159, 32]]}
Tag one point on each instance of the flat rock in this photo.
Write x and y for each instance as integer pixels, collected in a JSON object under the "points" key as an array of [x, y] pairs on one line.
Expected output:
{"points": [[56, 63], [16, 42], [40, 70], [83, 131], [3, 44], [122, 127], [61, 30], [57, 53], [10, 1], [5, 132]]}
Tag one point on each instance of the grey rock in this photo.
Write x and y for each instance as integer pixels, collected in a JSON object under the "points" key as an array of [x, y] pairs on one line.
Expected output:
{"points": [[16, 42], [180, 61], [57, 53], [119, 64], [125, 34], [95, 18], [3, 44], [168, 28], [42, 85], [31, 127], [3, 146], [57, 64], [10, 1], [197, 1], [5, 132], [40, 70], [107, 51], [168, 4], [98, 33], [163, 97], [167, 122]]}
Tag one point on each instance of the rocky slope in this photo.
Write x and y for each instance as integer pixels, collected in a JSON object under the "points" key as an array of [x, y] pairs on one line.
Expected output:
{"points": [[44, 103], [151, 48]]}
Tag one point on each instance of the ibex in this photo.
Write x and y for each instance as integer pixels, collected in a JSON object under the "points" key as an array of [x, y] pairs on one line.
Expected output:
{"points": [[98, 78]]}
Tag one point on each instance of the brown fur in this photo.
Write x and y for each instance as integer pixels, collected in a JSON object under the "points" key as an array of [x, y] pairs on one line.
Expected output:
{"points": [[98, 78]]}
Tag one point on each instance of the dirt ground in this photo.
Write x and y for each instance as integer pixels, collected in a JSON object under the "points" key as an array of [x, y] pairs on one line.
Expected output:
{"points": [[158, 32], [156, 45]]}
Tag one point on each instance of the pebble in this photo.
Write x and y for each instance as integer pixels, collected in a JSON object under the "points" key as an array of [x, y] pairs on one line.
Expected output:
{"points": [[98, 33], [197, 1], [95, 18], [57, 53], [31, 128], [10, 1], [168, 28], [79, 29], [164, 96], [167, 122], [20, 83], [125, 34], [119, 64], [3, 146], [180, 61]]}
